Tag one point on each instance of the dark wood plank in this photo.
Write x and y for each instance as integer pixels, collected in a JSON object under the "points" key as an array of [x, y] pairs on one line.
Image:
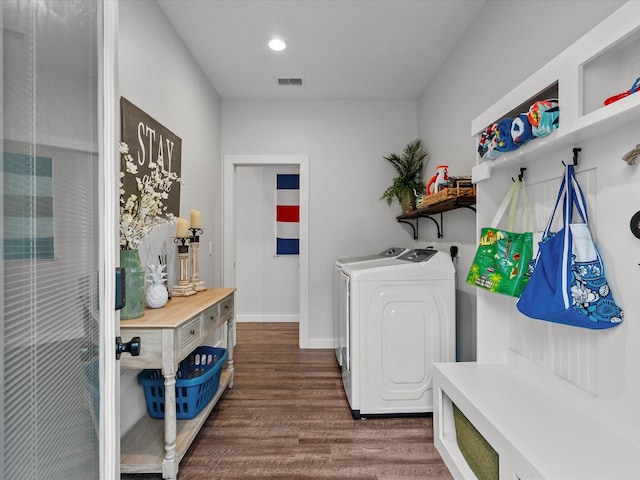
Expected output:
{"points": [[287, 418]]}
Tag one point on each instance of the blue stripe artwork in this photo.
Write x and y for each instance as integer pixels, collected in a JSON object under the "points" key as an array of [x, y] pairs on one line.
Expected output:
{"points": [[287, 214], [28, 207]]}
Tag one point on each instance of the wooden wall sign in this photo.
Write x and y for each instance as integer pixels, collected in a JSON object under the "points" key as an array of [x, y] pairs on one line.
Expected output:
{"points": [[149, 140]]}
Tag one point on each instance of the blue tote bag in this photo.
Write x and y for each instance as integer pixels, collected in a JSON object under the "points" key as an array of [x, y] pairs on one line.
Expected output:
{"points": [[568, 284]]}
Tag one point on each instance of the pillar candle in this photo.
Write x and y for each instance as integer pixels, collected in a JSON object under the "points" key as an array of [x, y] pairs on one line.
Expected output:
{"points": [[196, 221], [182, 230]]}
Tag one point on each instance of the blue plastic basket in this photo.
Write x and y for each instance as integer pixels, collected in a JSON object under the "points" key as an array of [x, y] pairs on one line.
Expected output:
{"points": [[197, 381]]}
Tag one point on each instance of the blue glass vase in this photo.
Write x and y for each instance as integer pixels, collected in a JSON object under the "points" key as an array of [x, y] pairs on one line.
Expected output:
{"points": [[134, 284]]}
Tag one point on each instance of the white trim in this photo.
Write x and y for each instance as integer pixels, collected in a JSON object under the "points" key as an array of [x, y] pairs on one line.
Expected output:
{"points": [[267, 318], [109, 437], [2, 273], [321, 343], [229, 232]]}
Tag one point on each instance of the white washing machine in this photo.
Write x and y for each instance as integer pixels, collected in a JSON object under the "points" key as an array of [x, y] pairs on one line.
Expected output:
{"points": [[399, 321], [390, 252], [339, 301]]}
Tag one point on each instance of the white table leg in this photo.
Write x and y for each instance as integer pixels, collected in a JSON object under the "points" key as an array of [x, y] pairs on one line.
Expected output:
{"points": [[169, 464]]}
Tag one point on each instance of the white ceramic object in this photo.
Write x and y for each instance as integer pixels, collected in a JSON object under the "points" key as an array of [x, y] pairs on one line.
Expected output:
{"points": [[156, 294]]}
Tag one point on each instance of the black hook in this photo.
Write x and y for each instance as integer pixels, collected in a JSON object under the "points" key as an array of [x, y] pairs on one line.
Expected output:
{"points": [[576, 150], [521, 176]]}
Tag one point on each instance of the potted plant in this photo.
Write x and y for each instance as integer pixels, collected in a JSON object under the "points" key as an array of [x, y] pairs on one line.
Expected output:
{"points": [[409, 167]]}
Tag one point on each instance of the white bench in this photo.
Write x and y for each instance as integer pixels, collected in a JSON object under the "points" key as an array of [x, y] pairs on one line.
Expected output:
{"points": [[538, 432]]}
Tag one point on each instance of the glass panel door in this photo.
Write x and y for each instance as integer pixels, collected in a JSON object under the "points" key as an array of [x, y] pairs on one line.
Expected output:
{"points": [[50, 241]]}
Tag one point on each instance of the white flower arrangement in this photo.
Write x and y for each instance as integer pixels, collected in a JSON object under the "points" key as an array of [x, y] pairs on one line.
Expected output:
{"points": [[141, 212]]}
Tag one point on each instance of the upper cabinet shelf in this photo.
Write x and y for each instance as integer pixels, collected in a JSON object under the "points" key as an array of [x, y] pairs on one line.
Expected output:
{"points": [[603, 63]]}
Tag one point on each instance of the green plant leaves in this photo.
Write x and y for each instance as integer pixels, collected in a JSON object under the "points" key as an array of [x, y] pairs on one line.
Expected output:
{"points": [[409, 166]]}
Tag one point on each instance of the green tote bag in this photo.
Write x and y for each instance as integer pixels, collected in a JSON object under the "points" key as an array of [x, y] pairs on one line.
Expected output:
{"points": [[501, 262]]}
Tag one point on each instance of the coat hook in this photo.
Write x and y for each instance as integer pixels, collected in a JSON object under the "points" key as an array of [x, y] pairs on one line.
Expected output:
{"points": [[576, 150], [521, 176]]}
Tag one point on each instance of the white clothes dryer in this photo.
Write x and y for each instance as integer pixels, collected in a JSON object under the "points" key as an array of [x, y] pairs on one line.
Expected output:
{"points": [[339, 300], [400, 320]]}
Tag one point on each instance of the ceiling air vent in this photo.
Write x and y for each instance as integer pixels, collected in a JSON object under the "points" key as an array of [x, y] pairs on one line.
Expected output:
{"points": [[289, 81]]}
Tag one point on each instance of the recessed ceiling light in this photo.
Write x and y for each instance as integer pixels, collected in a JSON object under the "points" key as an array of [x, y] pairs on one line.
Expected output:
{"points": [[277, 45]]}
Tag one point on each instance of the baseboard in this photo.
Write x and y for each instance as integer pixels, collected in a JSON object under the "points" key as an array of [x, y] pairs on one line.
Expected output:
{"points": [[268, 318], [320, 343]]}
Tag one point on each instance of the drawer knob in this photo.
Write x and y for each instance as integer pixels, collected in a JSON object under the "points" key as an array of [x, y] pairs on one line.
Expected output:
{"points": [[192, 332], [212, 317]]}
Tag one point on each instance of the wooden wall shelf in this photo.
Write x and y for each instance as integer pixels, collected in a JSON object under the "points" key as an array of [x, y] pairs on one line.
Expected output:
{"points": [[448, 204]]}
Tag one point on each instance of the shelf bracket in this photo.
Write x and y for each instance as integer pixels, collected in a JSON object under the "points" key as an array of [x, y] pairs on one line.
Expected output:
{"points": [[413, 227], [413, 218], [439, 226]]}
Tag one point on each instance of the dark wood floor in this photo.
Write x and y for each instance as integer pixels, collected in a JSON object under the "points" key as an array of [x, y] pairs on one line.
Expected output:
{"points": [[287, 417]]}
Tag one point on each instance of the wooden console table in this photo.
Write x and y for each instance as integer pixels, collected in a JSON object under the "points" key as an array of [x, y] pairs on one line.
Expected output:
{"points": [[168, 335]]}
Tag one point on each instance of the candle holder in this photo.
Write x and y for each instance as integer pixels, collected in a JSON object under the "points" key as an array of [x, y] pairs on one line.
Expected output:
{"points": [[184, 288], [198, 284]]}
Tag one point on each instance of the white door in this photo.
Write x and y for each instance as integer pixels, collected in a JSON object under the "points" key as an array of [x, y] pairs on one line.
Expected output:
{"points": [[57, 289]]}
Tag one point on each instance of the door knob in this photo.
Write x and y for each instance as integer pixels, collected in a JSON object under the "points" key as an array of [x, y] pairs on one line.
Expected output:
{"points": [[132, 347]]}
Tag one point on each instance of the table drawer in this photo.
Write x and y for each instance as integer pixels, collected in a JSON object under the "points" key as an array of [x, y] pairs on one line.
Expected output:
{"points": [[189, 336], [150, 348], [210, 318], [226, 307]]}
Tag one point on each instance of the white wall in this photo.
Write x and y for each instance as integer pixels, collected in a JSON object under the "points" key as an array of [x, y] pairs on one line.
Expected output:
{"points": [[159, 75], [507, 42], [268, 285], [345, 142]]}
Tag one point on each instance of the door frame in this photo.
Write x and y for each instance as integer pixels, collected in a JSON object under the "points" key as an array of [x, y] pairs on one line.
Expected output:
{"points": [[109, 436], [230, 162]]}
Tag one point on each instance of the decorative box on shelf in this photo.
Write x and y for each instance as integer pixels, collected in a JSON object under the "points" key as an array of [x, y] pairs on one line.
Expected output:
{"points": [[451, 193]]}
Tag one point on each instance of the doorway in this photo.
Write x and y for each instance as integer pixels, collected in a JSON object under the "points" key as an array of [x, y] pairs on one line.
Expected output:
{"points": [[235, 170]]}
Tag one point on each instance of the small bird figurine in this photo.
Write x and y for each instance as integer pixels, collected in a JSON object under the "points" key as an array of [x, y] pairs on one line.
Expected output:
{"points": [[631, 156]]}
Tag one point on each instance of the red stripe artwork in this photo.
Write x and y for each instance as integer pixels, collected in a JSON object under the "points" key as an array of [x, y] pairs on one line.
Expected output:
{"points": [[288, 213]]}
